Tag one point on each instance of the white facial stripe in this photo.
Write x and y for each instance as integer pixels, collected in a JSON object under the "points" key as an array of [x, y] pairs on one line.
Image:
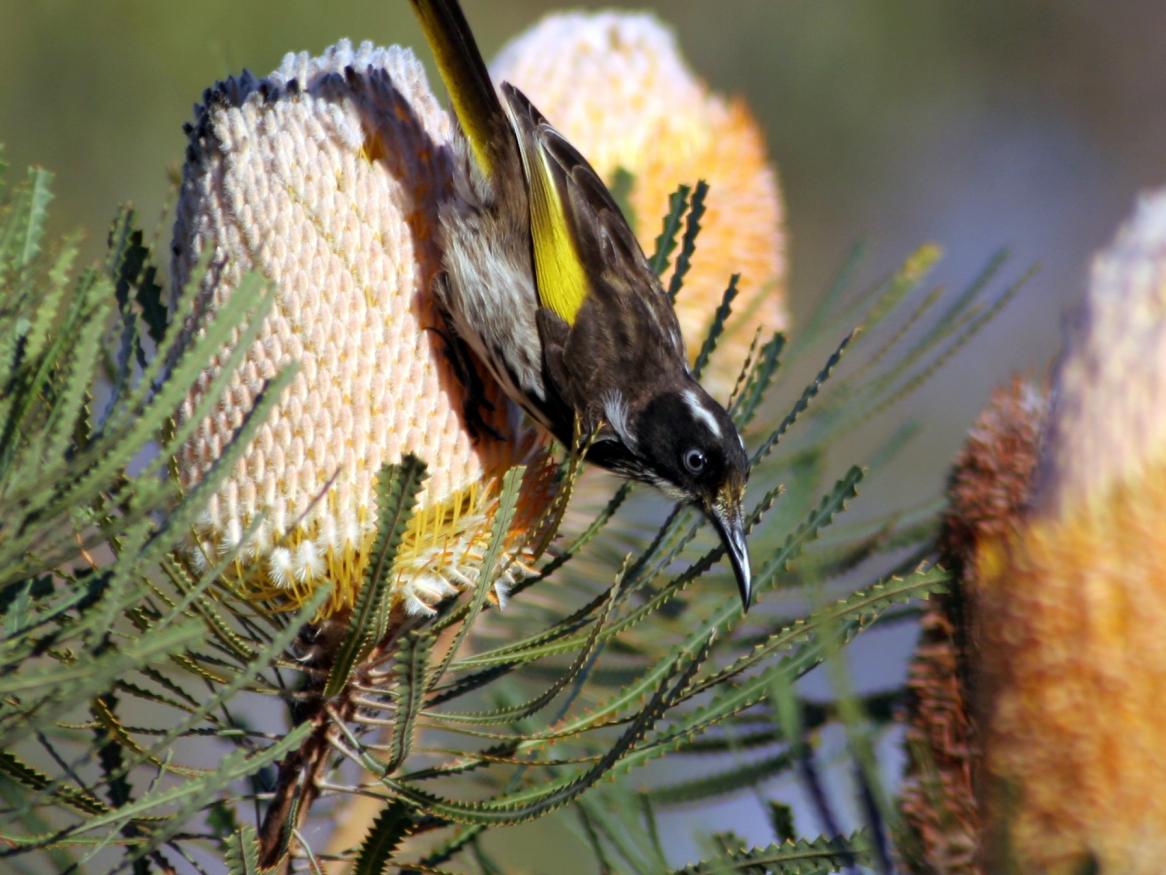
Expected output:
{"points": [[701, 413], [615, 408]]}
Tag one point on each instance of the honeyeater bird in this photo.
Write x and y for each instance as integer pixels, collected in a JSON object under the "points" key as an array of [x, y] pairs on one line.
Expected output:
{"points": [[544, 280]]}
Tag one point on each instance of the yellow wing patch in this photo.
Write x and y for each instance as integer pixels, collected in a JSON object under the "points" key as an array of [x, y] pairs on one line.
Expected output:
{"points": [[562, 279]]}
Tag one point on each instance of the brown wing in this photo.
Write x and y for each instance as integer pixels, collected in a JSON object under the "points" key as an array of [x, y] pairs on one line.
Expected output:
{"points": [[604, 247]]}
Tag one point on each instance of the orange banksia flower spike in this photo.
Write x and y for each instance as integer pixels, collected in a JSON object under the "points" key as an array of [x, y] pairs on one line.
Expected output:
{"points": [[618, 88]]}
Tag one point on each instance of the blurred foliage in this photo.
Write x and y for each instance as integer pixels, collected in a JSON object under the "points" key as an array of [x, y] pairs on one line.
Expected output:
{"points": [[871, 109], [613, 661]]}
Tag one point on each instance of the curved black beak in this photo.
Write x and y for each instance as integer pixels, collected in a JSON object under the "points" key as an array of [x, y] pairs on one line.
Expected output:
{"points": [[731, 527]]}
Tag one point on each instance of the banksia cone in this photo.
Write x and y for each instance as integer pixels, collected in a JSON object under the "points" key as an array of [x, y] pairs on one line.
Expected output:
{"points": [[1071, 606], [988, 492], [325, 177], [615, 84]]}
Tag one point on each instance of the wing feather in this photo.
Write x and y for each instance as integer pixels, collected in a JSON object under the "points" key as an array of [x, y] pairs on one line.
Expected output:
{"points": [[561, 275], [581, 242]]}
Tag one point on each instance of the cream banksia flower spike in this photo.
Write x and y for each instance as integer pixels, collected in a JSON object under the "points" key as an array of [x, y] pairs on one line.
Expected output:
{"points": [[325, 178], [617, 87]]}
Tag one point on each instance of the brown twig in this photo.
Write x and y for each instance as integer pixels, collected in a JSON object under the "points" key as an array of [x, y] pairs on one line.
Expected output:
{"points": [[301, 773]]}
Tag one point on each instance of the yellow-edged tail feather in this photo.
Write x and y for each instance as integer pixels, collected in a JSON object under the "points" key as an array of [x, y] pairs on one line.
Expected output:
{"points": [[466, 78]]}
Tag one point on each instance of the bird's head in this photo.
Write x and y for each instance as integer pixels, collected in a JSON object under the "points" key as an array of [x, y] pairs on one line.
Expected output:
{"points": [[684, 442]]}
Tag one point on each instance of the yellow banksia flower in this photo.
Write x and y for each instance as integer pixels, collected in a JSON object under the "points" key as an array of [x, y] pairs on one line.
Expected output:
{"points": [[987, 493], [617, 87], [325, 177], [1071, 605]]}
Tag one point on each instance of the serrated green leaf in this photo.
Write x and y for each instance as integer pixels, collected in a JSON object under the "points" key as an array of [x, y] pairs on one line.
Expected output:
{"points": [[32, 389], [826, 304], [958, 324], [397, 488], [58, 431], [27, 776], [670, 539], [242, 852], [666, 241], [820, 855], [723, 781], [964, 334], [264, 656], [830, 504], [720, 316], [21, 236], [901, 331], [192, 795], [206, 606], [519, 807], [447, 849], [748, 401], [533, 705], [412, 664], [487, 572], [808, 394], [49, 693], [181, 695], [32, 823], [881, 707], [688, 244], [593, 528], [512, 652], [108, 739], [103, 669], [384, 836], [849, 616], [907, 278], [48, 306]]}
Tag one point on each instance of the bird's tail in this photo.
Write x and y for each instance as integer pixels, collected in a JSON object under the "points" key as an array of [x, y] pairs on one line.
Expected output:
{"points": [[467, 80]]}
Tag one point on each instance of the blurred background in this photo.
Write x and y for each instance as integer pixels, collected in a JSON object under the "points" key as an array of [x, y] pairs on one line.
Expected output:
{"points": [[1026, 125]]}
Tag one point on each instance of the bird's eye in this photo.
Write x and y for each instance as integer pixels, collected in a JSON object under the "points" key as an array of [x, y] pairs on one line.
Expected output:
{"points": [[695, 461]]}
